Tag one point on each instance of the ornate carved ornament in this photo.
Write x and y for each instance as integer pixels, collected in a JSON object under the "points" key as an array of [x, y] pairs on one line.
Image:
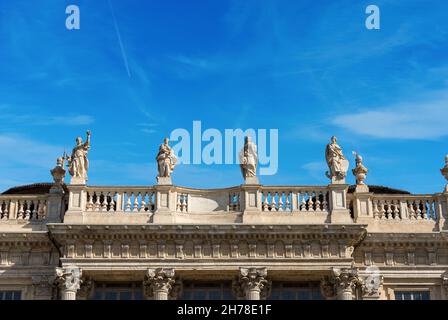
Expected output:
{"points": [[68, 278], [159, 280]]}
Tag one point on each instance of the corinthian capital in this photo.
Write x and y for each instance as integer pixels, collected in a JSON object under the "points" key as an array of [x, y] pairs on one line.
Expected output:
{"points": [[341, 283], [69, 278], [158, 283], [252, 284]]}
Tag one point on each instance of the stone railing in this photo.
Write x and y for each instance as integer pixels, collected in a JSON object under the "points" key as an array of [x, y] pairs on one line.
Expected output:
{"points": [[120, 199], [387, 212], [254, 204], [291, 199], [23, 207]]}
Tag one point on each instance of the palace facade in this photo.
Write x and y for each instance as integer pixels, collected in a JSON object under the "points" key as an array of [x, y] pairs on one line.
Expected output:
{"points": [[252, 241]]}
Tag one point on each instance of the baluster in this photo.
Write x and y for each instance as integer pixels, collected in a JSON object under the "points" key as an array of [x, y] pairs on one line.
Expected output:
{"points": [[143, 207], [39, 214], [317, 203], [431, 213], [311, 202], [265, 202], [288, 203], [303, 202], [128, 201], [178, 204], [424, 209], [397, 213], [89, 206], [112, 203], [273, 201], [6, 210], [184, 202], [26, 205], [96, 204], [151, 201], [280, 201], [387, 207], [34, 210], [2, 212], [324, 201], [238, 203], [418, 211], [135, 207], [411, 209], [104, 203], [381, 209]]}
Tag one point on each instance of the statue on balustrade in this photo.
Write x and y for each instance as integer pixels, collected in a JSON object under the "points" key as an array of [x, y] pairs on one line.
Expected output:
{"points": [[78, 164], [360, 173], [249, 161], [166, 161], [336, 161]]}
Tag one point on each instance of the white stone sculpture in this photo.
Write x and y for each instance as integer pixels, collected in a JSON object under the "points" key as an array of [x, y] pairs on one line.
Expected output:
{"points": [[78, 164], [58, 173], [336, 161], [444, 172], [249, 161], [166, 161], [360, 173]]}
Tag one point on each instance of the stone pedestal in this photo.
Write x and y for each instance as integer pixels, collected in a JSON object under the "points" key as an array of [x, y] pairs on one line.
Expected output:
{"points": [[158, 283], [252, 180], [77, 181], [339, 212], [164, 181], [165, 204], [251, 203]]}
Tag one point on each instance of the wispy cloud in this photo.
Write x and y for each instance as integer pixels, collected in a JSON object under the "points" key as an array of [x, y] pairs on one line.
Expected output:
{"points": [[424, 120], [35, 118], [120, 42], [192, 62]]}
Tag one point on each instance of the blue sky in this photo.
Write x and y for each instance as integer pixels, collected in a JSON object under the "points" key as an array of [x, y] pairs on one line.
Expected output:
{"points": [[308, 68]]}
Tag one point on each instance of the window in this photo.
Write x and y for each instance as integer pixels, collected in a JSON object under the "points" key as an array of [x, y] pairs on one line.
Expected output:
{"points": [[412, 295], [10, 295], [207, 291], [295, 291], [118, 291]]}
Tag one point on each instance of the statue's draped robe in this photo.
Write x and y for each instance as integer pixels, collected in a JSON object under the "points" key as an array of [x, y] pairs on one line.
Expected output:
{"points": [[165, 160], [79, 164], [334, 157], [249, 160]]}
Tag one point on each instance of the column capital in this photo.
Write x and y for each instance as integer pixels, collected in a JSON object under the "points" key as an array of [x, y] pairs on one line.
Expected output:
{"points": [[68, 279], [341, 283], [159, 283], [252, 284]]}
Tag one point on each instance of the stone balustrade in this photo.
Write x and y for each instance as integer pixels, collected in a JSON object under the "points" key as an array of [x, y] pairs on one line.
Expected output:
{"points": [[23, 207], [290, 199], [250, 204], [120, 199]]}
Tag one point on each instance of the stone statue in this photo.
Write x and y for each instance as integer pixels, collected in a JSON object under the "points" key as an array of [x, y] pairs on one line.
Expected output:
{"points": [[166, 161], [78, 164], [444, 172], [336, 161], [249, 161], [360, 173]]}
